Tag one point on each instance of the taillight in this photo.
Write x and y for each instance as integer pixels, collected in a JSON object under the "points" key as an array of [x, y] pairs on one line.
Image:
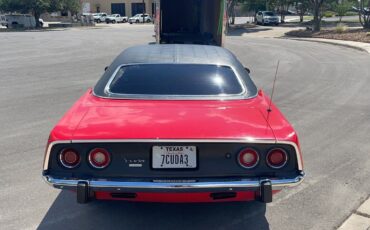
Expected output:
{"points": [[99, 158], [69, 158], [277, 158], [248, 158]]}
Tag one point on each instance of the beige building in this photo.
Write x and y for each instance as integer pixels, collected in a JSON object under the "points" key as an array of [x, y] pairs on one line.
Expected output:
{"points": [[123, 7]]}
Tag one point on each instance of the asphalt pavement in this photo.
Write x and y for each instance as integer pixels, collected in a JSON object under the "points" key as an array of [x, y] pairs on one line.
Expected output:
{"points": [[322, 89]]}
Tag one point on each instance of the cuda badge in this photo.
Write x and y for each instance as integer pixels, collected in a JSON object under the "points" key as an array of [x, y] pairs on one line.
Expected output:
{"points": [[134, 163]]}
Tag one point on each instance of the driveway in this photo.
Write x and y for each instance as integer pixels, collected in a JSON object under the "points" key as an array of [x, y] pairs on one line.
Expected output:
{"points": [[322, 89]]}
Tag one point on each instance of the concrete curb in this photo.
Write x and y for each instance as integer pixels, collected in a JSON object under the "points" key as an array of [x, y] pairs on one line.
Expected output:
{"points": [[359, 219], [350, 44]]}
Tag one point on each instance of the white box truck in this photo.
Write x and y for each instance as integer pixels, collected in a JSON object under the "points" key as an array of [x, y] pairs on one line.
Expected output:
{"points": [[190, 21]]}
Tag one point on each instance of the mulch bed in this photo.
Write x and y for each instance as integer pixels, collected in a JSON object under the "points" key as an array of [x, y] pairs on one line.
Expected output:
{"points": [[358, 35]]}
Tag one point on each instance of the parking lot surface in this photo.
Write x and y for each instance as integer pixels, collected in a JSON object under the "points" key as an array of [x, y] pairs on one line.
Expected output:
{"points": [[321, 88]]}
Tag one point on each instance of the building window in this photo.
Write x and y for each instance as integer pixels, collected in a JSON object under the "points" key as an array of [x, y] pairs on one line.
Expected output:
{"points": [[118, 8], [137, 8]]}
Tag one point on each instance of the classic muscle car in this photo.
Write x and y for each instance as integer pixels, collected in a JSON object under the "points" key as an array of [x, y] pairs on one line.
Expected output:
{"points": [[174, 123]]}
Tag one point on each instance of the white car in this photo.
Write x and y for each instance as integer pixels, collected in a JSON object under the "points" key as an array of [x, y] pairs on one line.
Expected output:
{"points": [[140, 18], [115, 18], [100, 17], [267, 17]]}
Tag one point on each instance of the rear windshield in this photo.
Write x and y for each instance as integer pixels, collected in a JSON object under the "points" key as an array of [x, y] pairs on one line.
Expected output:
{"points": [[176, 79]]}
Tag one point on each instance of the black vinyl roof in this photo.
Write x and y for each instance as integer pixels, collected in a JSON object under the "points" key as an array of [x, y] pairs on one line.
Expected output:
{"points": [[183, 54], [174, 54]]}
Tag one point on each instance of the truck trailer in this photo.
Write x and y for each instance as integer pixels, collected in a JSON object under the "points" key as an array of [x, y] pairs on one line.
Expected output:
{"points": [[190, 21]]}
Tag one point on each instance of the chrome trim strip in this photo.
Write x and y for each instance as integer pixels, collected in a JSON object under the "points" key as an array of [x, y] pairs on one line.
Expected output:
{"points": [[103, 185], [246, 140], [242, 95]]}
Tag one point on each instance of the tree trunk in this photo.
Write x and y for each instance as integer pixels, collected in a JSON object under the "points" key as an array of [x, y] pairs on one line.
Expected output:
{"points": [[301, 18], [231, 11], [364, 18], [37, 18], [316, 19], [282, 17]]}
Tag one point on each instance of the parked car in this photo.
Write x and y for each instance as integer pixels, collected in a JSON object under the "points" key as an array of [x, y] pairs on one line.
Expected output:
{"points": [[115, 18], [140, 18], [174, 123], [100, 17], [267, 17]]}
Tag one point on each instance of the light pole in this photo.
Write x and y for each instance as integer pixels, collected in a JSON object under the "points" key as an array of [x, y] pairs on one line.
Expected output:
{"points": [[143, 11]]}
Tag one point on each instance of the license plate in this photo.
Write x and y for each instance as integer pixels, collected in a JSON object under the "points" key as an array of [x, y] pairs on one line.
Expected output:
{"points": [[174, 157]]}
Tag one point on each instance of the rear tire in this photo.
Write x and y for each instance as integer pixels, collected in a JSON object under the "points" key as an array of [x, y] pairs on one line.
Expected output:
{"points": [[99, 21], [148, 20], [114, 22]]}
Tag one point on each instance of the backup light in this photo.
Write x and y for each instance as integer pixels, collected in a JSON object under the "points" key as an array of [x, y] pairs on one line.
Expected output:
{"points": [[99, 158], [248, 158]]}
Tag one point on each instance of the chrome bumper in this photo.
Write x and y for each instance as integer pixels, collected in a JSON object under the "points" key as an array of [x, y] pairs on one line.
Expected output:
{"points": [[210, 186]]}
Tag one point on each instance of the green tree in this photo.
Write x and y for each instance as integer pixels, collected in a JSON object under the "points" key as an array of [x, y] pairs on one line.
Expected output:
{"points": [[70, 5], [12, 6], [341, 9], [231, 11], [253, 6], [36, 7], [302, 6], [316, 7], [364, 13]]}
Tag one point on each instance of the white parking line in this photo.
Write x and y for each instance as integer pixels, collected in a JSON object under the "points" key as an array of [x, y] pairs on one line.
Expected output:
{"points": [[360, 220]]}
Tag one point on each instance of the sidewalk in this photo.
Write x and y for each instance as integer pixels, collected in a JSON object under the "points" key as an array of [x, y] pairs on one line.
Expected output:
{"points": [[279, 32], [356, 45], [360, 219]]}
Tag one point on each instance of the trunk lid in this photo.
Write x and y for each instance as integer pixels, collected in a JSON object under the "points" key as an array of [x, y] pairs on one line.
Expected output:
{"points": [[127, 119]]}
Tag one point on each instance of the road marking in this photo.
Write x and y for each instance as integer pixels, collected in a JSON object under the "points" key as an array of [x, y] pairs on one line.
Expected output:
{"points": [[360, 219]]}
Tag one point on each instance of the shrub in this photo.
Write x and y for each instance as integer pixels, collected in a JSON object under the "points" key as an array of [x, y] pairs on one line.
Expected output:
{"points": [[341, 28], [328, 14], [351, 13]]}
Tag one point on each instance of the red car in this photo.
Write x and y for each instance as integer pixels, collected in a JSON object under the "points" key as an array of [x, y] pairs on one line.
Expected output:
{"points": [[174, 123]]}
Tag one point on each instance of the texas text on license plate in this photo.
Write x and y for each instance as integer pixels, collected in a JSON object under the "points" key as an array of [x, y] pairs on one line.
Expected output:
{"points": [[174, 157]]}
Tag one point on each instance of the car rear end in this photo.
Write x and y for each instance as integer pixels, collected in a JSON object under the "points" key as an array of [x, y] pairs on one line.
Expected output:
{"points": [[174, 123], [143, 170]]}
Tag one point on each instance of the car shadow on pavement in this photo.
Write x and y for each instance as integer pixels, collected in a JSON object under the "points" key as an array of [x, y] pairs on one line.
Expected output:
{"points": [[65, 213], [241, 31]]}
